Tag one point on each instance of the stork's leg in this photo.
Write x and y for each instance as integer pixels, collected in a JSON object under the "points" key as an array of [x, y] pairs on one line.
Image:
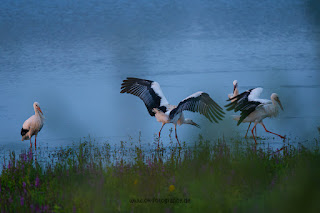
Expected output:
{"points": [[272, 132], [160, 133], [255, 129], [35, 142], [30, 143], [252, 132], [247, 130], [175, 130]]}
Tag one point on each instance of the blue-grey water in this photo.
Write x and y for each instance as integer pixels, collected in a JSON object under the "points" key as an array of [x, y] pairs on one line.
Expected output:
{"points": [[71, 57]]}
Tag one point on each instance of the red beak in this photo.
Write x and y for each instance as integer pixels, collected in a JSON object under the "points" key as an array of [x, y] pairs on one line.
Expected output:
{"points": [[39, 110]]}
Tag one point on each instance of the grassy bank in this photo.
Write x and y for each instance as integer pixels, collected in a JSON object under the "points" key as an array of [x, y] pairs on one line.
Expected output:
{"points": [[208, 177]]}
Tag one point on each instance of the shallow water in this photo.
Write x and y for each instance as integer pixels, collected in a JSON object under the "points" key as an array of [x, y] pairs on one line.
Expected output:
{"points": [[72, 56]]}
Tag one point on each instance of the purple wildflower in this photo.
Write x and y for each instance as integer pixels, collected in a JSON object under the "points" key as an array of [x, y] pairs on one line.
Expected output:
{"points": [[272, 182], [45, 208], [25, 157], [24, 184], [30, 156], [37, 182], [21, 201]]}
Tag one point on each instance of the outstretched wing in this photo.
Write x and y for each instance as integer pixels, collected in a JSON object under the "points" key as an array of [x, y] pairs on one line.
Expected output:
{"points": [[148, 91], [246, 102], [202, 103]]}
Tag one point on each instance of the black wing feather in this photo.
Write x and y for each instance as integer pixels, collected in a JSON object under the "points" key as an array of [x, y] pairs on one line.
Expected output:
{"points": [[247, 110], [239, 101], [242, 103], [142, 89], [202, 104]]}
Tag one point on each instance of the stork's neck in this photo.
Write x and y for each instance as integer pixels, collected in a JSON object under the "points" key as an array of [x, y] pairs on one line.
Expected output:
{"points": [[38, 114], [235, 92], [275, 103], [275, 110]]}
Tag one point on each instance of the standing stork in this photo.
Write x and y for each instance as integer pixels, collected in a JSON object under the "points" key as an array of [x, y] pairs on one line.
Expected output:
{"points": [[234, 94], [33, 125], [157, 105], [254, 109]]}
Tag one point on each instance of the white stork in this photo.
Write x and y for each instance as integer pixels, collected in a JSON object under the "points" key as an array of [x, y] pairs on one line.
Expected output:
{"points": [[234, 94], [235, 90], [152, 96], [254, 109], [33, 125]]}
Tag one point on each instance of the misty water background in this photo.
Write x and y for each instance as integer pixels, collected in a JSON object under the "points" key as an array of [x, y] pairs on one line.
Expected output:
{"points": [[71, 57]]}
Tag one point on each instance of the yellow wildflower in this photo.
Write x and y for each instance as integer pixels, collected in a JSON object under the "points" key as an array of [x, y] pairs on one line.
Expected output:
{"points": [[171, 188], [135, 182]]}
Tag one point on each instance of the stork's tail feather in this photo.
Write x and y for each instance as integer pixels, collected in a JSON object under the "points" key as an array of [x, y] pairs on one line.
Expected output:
{"points": [[24, 134], [24, 131]]}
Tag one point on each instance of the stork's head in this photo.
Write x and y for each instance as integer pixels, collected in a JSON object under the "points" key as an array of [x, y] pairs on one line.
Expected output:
{"points": [[235, 85], [36, 107], [189, 121], [275, 97]]}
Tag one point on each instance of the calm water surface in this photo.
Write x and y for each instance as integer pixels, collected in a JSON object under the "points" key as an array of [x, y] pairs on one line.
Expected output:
{"points": [[71, 57]]}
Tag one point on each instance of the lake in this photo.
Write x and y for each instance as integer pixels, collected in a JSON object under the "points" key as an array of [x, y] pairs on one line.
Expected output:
{"points": [[71, 57]]}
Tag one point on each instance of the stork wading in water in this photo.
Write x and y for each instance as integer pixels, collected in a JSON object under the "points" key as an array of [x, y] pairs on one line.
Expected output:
{"points": [[234, 94], [254, 109], [157, 105], [33, 125]]}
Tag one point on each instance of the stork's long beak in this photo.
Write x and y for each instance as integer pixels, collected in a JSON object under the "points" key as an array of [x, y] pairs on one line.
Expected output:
{"points": [[195, 124], [280, 104], [39, 110]]}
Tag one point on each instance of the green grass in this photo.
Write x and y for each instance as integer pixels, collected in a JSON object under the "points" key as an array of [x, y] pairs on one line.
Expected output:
{"points": [[208, 177]]}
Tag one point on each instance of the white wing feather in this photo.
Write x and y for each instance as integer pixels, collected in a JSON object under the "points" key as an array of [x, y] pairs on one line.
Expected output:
{"points": [[157, 89], [255, 94]]}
